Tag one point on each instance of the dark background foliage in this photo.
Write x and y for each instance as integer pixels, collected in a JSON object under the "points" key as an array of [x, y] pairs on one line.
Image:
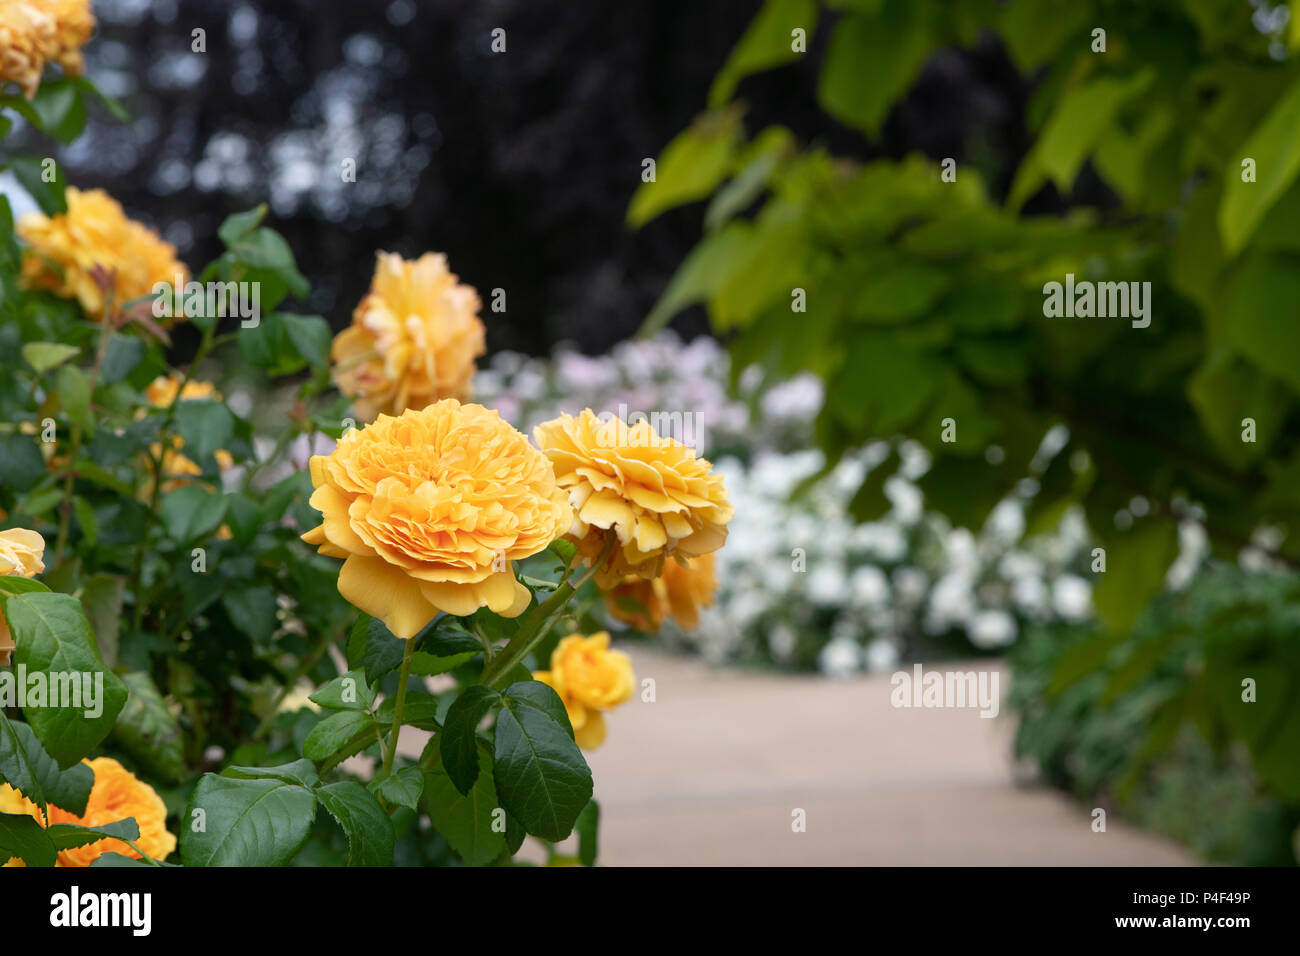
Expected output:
{"points": [[519, 165]]}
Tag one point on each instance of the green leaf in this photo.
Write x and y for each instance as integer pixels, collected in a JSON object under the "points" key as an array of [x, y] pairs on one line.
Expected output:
{"points": [[74, 397], [333, 733], [23, 837], [261, 822], [588, 827], [26, 767], [67, 836], [122, 356], [704, 270], [1136, 563], [691, 167], [301, 772], [204, 425], [369, 831], [1080, 120], [52, 635], [147, 730], [768, 42], [21, 463], [348, 691], [896, 43], [44, 356], [1275, 147], [61, 109], [458, 741], [240, 225], [403, 788], [311, 336], [252, 609], [1256, 327], [466, 820], [266, 249], [541, 776], [191, 511], [44, 183]]}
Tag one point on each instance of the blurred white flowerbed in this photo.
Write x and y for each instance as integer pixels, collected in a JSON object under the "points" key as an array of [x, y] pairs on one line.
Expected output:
{"points": [[801, 585]]}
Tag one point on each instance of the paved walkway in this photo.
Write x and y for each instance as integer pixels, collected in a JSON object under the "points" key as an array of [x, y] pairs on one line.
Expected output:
{"points": [[711, 772]]}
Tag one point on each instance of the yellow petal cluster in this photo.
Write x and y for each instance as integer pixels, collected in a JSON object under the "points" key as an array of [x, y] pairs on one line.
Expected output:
{"points": [[22, 554], [62, 252], [36, 32], [590, 679], [650, 492], [430, 508], [413, 339], [679, 592], [116, 794], [26, 33]]}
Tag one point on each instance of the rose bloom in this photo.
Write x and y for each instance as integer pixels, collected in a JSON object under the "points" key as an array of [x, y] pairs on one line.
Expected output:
{"points": [[413, 338], [430, 508], [63, 251], [26, 34], [22, 554], [590, 679], [115, 795], [652, 493], [73, 25], [680, 591]]}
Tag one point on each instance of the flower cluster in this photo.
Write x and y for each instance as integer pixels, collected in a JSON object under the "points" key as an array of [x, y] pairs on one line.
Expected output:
{"points": [[74, 253], [36, 32], [413, 339]]}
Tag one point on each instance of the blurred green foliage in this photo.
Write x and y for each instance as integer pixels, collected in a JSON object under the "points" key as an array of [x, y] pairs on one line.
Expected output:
{"points": [[920, 300], [1154, 723]]}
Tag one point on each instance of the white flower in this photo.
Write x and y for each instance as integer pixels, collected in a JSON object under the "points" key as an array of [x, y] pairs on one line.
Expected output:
{"points": [[1072, 597], [841, 657], [869, 586], [991, 628], [882, 655]]}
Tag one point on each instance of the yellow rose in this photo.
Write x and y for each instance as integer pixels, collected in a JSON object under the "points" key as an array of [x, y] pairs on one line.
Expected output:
{"points": [[73, 25], [26, 34], [22, 554], [680, 591], [651, 492], [116, 794], [590, 679], [413, 338], [63, 250], [430, 508]]}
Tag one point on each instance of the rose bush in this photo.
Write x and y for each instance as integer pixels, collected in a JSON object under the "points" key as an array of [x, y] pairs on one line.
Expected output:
{"points": [[250, 563]]}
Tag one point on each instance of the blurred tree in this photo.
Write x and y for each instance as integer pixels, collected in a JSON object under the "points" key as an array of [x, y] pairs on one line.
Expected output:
{"points": [[921, 299]]}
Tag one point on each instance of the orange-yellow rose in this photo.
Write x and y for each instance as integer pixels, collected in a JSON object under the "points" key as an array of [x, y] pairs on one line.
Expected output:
{"points": [[22, 554], [430, 508], [62, 252], [413, 338], [680, 591], [652, 493], [116, 794], [590, 679], [73, 25], [26, 34]]}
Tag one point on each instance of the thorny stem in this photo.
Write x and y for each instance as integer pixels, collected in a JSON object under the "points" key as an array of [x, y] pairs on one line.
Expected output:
{"points": [[404, 677]]}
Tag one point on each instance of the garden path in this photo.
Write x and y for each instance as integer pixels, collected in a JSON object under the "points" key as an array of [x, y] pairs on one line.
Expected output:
{"points": [[711, 772]]}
